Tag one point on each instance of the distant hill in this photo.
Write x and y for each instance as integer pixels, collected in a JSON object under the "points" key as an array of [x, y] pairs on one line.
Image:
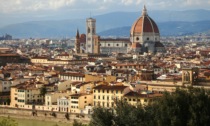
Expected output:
{"points": [[116, 23], [175, 28]]}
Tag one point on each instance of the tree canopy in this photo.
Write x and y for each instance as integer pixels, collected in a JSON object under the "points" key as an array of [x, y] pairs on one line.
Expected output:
{"points": [[184, 107]]}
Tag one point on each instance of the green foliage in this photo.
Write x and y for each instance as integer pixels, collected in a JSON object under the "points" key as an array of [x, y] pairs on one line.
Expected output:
{"points": [[101, 117], [43, 91], [76, 123], [8, 122], [184, 107]]}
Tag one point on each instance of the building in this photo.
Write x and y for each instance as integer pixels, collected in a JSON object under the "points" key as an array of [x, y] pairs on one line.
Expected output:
{"points": [[92, 40], [80, 43], [145, 35], [24, 94], [144, 38], [110, 45], [105, 95]]}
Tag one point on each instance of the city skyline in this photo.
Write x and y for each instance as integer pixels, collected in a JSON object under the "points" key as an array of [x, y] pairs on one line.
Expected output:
{"points": [[16, 11]]}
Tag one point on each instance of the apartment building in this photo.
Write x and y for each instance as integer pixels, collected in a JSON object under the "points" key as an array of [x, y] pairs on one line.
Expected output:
{"points": [[105, 95]]}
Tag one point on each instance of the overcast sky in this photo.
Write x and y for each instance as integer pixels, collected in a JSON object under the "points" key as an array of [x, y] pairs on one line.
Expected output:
{"points": [[14, 11]]}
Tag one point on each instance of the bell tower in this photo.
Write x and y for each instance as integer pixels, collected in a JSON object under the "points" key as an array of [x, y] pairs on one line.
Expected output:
{"points": [[77, 43], [90, 32], [189, 75]]}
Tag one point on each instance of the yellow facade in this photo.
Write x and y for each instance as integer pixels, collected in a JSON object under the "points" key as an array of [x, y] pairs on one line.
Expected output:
{"points": [[105, 95], [21, 96], [79, 101]]}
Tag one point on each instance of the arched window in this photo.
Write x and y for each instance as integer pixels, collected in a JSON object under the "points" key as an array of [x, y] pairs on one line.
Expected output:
{"points": [[137, 38], [88, 30], [186, 76]]}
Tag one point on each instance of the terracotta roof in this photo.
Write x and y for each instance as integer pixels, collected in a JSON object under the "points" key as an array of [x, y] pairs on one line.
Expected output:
{"points": [[144, 24], [107, 87], [82, 38], [73, 74]]}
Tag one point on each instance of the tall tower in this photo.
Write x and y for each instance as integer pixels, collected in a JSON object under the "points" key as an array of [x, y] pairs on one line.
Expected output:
{"points": [[77, 43], [91, 32]]}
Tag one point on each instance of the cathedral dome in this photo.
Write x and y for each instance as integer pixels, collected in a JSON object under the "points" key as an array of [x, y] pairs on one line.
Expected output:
{"points": [[144, 24]]}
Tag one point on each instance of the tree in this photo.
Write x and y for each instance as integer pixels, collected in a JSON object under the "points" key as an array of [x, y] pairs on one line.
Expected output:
{"points": [[101, 117], [76, 123], [8, 122], [43, 91], [187, 106]]}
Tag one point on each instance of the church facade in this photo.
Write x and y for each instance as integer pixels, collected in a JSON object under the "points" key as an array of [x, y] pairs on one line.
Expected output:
{"points": [[144, 38]]}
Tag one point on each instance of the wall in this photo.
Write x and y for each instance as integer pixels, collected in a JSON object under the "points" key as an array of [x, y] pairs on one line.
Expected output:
{"points": [[41, 115]]}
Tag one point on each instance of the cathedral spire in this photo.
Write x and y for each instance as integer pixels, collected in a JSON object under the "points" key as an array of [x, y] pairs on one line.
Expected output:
{"points": [[77, 36], [144, 11]]}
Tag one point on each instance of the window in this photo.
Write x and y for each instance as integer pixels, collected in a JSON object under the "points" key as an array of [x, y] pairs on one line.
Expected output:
{"points": [[145, 100], [98, 97], [134, 99], [107, 97], [148, 38], [137, 38], [117, 44], [108, 44], [88, 30], [126, 45], [103, 91]]}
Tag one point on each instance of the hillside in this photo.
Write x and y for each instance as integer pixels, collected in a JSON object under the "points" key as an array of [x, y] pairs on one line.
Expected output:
{"points": [[115, 23]]}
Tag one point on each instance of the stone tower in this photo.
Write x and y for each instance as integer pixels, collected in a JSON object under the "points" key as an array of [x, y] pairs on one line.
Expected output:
{"points": [[77, 43], [189, 75], [91, 32]]}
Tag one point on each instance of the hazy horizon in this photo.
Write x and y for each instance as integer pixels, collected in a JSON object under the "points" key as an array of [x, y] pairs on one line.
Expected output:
{"points": [[18, 11]]}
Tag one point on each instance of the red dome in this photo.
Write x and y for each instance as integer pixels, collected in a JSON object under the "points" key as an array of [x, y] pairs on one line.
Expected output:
{"points": [[144, 24]]}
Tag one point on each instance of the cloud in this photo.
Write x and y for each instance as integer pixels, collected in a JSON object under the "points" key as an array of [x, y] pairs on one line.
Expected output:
{"points": [[8, 6], [127, 2], [27, 6]]}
